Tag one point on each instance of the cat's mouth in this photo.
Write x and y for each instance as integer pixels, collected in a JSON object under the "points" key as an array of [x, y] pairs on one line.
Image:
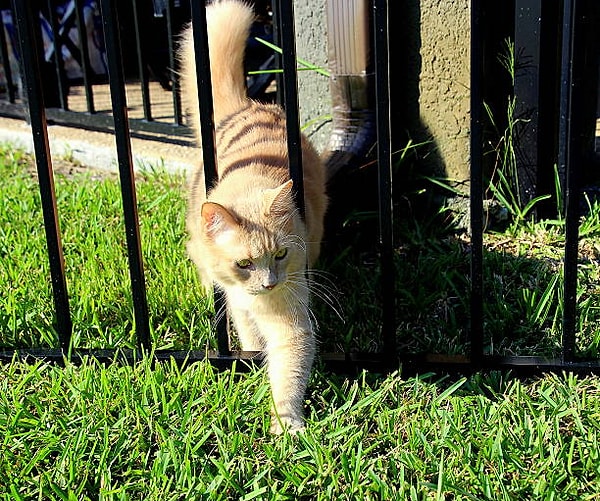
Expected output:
{"points": [[267, 289]]}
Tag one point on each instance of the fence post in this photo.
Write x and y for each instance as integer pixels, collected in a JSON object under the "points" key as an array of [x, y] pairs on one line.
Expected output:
{"points": [[207, 132], [29, 45], [284, 16], [384, 160], [569, 160], [126, 174], [476, 187]]}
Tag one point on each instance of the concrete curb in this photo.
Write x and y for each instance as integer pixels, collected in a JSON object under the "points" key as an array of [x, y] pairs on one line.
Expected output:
{"points": [[98, 149]]}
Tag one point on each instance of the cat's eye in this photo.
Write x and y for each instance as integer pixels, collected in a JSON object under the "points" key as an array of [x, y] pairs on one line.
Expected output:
{"points": [[244, 263], [281, 253]]}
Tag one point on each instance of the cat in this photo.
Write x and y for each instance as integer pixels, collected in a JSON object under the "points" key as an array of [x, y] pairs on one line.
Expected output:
{"points": [[246, 235]]}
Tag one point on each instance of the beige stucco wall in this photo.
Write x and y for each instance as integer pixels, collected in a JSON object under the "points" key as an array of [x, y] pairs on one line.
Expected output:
{"points": [[444, 81], [313, 88], [430, 77]]}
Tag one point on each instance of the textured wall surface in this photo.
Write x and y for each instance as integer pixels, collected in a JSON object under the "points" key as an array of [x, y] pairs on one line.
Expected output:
{"points": [[313, 88], [444, 81], [429, 69]]}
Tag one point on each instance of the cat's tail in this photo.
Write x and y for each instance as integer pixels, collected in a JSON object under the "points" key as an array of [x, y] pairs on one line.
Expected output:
{"points": [[228, 26]]}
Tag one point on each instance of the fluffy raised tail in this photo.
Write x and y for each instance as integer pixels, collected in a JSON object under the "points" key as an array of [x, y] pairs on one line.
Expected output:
{"points": [[228, 24]]}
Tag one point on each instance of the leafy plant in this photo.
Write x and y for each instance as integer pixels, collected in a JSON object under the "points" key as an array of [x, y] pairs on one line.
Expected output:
{"points": [[505, 183]]}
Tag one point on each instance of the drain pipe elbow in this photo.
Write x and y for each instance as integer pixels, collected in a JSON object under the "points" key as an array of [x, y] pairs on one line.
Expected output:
{"points": [[353, 133]]}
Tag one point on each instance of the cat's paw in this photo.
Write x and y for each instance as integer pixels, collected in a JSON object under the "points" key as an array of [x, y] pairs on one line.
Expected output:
{"points": [[290, 425]]}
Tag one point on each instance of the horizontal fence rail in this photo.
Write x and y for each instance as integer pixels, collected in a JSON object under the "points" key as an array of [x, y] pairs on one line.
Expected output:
{"points": [[388, 358]]}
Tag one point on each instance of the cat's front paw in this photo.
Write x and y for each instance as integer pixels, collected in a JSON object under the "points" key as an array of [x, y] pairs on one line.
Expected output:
{"points": [[280, 424]]}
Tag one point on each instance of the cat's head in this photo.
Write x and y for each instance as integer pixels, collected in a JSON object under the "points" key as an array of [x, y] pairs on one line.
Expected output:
{"points": [[257, 248]]}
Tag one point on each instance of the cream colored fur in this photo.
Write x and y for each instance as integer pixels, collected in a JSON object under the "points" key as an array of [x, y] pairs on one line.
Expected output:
{"points": [[246, 235]]}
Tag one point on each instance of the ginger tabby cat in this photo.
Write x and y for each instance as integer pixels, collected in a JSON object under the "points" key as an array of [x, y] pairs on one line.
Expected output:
{"points": [[246, 235]]}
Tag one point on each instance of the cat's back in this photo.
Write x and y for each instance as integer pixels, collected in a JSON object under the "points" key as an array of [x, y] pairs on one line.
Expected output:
{"points": [[250, 136], [253, 138], [252, 155]]}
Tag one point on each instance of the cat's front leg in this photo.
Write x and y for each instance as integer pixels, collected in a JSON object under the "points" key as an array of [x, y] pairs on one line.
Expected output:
{"points": [[246, 329], [290, 352]]}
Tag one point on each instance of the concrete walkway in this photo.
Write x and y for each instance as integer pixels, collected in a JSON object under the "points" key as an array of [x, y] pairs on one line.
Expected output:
{"points": [[98, 149]]}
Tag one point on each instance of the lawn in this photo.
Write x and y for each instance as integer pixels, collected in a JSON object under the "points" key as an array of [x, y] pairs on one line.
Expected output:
{"points": [[158, 433], [162, 431], [93, 238]]}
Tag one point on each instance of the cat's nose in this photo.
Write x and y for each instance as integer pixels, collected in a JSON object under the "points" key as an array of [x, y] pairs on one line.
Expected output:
{"points": [[269, 280]]}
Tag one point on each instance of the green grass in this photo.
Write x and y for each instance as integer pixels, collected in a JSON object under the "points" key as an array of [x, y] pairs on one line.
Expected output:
{"points": [[522, 275], [93, 238], [159, 432], [522, 270]]}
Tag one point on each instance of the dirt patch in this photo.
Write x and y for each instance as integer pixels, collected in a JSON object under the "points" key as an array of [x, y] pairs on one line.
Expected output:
{"points": [[63, 167], [70, 169]]}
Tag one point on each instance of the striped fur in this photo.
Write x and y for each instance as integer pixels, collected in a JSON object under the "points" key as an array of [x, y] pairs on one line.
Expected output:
{"points": [[246, 235]]}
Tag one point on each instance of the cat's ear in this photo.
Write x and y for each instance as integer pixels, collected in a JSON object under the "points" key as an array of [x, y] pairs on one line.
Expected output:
{"points": [[217, 221], [276, 200]]}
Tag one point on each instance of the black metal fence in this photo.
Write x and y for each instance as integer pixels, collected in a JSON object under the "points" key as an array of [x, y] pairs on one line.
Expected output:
{"points": [[572, 73], [76, 75]]}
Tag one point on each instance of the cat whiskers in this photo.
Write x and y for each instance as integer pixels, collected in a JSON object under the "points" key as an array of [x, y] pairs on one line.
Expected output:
{"points": [[323, 287], [220, 307], [295, 241], [318, 284], [297, 300]]}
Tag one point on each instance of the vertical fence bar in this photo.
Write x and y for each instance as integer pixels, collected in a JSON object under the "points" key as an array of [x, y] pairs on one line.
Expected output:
{"points": [[141, 60], [178, 116], [119, 106], [204, 83], [207, 132], [6, 64], [27, 23], [548, 103], [527, 44], [59, 64], [280, 98], [285, 13], [568, 166], [476, 188], [384, 157], [85, 56]]}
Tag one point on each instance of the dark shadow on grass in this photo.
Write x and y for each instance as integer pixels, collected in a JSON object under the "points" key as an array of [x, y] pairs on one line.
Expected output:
{"points": [[522, 287]]}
